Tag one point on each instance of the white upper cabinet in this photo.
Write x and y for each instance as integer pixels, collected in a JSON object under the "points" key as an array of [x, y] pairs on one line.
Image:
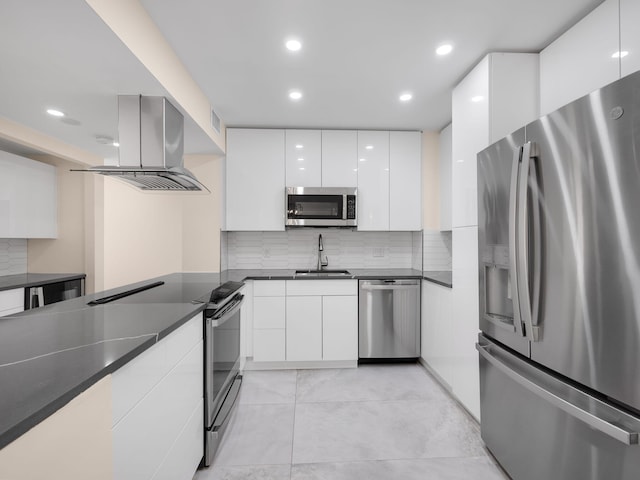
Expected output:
{"points": [[580, 61], [339, 158], [373, 180], [496, 98], [28, 198], [470, 120], [630, 36], [303, 158], [445, 178], [255, 179], [405, 181]]}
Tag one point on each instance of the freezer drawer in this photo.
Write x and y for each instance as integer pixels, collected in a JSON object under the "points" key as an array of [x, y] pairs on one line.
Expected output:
{"points": [[389, 319], [540, 427]]}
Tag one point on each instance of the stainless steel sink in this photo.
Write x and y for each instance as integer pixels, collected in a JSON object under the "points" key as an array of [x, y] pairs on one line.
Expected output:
{"points": [[323, 273]]}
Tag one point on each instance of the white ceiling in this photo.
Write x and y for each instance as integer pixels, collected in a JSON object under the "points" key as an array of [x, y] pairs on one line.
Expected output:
{"points": [[357, 57]]}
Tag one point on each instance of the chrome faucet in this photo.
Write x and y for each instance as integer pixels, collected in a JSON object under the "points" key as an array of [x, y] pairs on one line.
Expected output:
{"points": [[325, 262]]}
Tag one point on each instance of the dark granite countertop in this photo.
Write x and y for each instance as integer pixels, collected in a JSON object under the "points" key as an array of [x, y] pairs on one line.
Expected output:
{"points": [[50, 355], [441, 277], [290, 274], [8, 282]]}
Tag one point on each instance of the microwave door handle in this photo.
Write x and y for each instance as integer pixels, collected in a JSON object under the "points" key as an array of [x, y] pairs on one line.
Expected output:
{"points": [[344, 207]]}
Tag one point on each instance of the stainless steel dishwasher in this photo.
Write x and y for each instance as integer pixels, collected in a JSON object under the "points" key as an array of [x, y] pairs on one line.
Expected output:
{"points": [[389, 319]]}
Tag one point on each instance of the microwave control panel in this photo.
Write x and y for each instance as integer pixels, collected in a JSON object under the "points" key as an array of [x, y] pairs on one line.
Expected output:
{"points": [[351, 207]]}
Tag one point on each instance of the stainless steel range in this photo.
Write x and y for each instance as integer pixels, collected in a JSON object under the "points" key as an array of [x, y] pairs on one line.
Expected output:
{"points": [[222, 362]]}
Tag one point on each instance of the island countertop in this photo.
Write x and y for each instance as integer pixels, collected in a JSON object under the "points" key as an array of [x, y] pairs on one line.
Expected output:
{"points": [[50, 355]]}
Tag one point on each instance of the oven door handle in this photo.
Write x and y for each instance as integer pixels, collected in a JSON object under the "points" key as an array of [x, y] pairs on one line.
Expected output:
{"points": [[219, 321]]}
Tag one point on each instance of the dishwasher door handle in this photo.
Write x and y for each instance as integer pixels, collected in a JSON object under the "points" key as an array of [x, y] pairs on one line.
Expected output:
{"points": [[390, 287]]}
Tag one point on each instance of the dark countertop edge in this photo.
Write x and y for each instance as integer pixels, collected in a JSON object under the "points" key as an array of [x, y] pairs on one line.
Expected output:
{"points": [[55, 277], [35, 418], [52, 407], [376, 274], [439, 282]]}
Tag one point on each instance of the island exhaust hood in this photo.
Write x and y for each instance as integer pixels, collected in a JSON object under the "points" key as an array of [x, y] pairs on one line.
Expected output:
{"points": [[151, 137]]}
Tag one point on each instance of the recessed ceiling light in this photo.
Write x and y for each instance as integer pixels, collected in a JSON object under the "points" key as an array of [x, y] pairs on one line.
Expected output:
{"points": [[55, 113], [299, 146], [444, 49], [369, 147], [301, 159], [115, 144], [621, 54], [301, 168], [405, 97], [293, 45], [477, 98], [295, 95], [363, 159]]}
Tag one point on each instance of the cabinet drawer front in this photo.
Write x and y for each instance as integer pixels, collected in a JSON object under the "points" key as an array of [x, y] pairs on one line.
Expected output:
{"points": [[268, 288], [269, 312], [11, 300], [322, 287]]}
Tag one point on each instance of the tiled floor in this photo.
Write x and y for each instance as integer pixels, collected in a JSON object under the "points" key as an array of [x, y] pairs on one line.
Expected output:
{"points": [[373, 422]]}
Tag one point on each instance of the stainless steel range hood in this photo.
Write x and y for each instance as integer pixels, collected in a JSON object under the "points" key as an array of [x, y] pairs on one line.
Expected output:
{"points": [[151, 136]]}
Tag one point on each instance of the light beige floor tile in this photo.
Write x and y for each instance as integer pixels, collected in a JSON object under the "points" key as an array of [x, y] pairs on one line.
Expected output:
{"points": [[271, 386], [472, 468], [348, 431], [258, 435]]}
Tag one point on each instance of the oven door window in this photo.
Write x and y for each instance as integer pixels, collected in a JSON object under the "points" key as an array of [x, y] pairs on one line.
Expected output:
{"points": [[226, 352], [321, 207]]}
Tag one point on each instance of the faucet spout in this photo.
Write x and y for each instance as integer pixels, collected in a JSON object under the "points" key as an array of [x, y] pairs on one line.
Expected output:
{"points": [[321, 263]]}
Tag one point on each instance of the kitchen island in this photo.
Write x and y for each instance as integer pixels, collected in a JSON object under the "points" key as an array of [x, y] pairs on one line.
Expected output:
{"points": [[50, 355]]}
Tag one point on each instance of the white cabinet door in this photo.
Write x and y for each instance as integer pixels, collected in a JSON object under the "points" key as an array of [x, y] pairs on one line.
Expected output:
{"points": [[630, 36], [28, 198], [340, 328], [445, 178], [470, 113], [580, 60], [269, 345], [405, 181], [11, 301], [304, 328], [373, 180], [437, 330], [255, 176], [464, 361], [269, 312], [303, 158], [339, 158], [269, 321]]}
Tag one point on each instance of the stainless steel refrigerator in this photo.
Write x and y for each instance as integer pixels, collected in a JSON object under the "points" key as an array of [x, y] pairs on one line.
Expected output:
{"points": [[559, 271]]}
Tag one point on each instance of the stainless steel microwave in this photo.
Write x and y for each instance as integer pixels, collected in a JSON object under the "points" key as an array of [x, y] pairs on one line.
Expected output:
{"points": [[321, 207]]}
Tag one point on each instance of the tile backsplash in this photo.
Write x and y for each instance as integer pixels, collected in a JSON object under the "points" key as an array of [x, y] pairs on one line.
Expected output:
{"points": [[436, 250], [13, 256], [344, 249]]}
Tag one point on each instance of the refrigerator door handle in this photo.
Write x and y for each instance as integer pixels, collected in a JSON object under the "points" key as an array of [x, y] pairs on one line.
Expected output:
{"points": [[513, 240], [537, 240], [624, 436], [522, 242]]}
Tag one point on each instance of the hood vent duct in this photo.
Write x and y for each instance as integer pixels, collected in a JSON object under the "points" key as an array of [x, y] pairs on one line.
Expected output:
{"points": [[151, 137]]}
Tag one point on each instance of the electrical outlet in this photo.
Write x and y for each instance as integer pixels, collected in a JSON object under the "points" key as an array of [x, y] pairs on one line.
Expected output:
{"points": [[378, 251]]}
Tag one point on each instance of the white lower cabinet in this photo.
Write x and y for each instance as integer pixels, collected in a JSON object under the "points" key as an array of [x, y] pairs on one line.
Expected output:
{"points": [[340, 327], [157, 398], [269, 313], [304, 328], [305, 320], [11, 301], [437, 330]]}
